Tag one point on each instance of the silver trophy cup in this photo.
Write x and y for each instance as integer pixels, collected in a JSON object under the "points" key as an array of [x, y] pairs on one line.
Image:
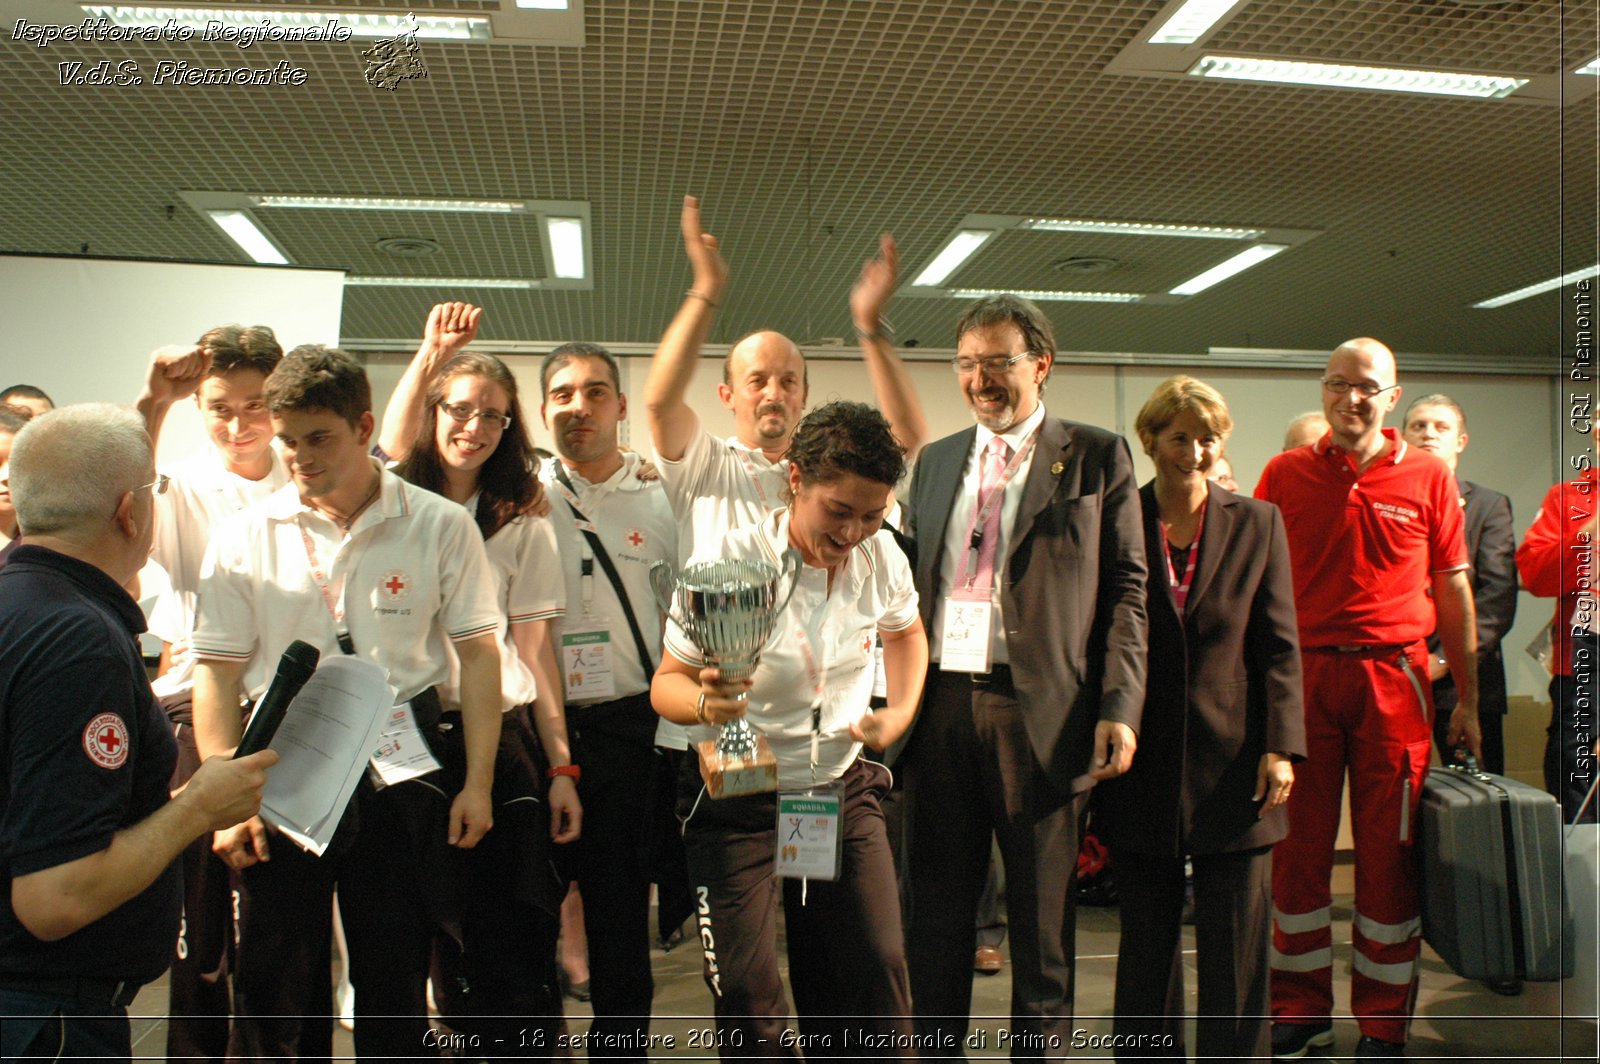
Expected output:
{"points": [[728, 608]]}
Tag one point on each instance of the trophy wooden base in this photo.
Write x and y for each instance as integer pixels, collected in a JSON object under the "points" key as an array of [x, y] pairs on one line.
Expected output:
{"points": [[729, 777]]}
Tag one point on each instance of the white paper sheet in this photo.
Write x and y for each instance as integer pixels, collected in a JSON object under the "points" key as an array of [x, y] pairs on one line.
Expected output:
{"points": [[329, 732]]}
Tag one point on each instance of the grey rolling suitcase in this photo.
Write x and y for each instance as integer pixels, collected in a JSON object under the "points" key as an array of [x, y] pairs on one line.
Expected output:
{"points": [[1491, 876]]}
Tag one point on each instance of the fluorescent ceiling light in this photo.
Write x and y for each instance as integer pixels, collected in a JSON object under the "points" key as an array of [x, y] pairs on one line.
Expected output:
{"points": [[242, 230], [959, 250], [1041, 295], [360, 24], [1213, 232], [1192, 21], [543, 5], [1537, 289], [385, 203], [566, 247], [1592, 67], [1338, 75], [1227, 268], [371, 281]]}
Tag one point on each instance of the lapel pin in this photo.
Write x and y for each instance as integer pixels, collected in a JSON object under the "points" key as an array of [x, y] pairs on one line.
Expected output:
{"points": [[1057, 469]]}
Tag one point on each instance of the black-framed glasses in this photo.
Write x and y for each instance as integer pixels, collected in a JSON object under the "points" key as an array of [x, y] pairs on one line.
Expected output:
{"points": [[1366, 389], [994, 365], [462, 413], [160, 484]]}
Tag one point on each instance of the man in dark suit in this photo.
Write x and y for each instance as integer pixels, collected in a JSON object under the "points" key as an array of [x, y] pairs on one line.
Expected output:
{"points": [[1437, 424], [1031, 572]]}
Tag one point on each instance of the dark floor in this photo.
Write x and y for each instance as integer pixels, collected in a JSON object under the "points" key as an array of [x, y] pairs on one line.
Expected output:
{"points": [[1456, 1019]]}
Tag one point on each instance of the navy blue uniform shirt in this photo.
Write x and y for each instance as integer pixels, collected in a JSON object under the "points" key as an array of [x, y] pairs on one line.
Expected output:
{"points": [[86, 752]]}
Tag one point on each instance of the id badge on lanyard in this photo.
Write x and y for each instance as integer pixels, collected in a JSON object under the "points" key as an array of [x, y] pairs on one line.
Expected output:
{"points": [[968, 609], [809, 842], [810, 845]]}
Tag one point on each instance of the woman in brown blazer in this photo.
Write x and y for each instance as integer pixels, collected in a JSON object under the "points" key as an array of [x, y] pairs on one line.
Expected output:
{"points": [[1221, 727]]}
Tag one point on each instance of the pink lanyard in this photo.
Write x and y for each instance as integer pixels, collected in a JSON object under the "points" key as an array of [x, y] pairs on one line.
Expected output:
{"points": [[980, 517], [334, 603], [1180, 588]]}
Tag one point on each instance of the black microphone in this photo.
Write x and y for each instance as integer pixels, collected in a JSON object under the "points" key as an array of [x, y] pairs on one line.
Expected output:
{"points": [[294, 669]]}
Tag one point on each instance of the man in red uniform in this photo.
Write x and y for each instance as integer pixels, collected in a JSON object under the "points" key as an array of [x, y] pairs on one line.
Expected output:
{"points": [[1556, 560], [1374, 526]]}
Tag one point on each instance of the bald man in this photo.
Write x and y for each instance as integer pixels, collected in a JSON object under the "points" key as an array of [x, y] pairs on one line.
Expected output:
{"points": [[1305, 429], [1373, 526], [716, 485]]}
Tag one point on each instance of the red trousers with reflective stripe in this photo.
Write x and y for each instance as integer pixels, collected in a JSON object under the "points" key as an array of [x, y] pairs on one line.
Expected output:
{"points": [[1366, 714]]}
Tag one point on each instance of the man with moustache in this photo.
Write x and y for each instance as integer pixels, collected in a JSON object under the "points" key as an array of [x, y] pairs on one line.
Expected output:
{"points": [[1031, 577], [353, 560], [1437, 424], [612, 527], [1374, 524], [717, 485], [226, 372]]}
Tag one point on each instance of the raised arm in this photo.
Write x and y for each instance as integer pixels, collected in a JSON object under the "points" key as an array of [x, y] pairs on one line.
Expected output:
{"points": [[450, 327], [175, 373], [672, 422], [897, 397]]}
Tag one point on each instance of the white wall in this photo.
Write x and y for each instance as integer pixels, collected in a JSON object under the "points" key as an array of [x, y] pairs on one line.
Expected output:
{"points": [[83, 328]]}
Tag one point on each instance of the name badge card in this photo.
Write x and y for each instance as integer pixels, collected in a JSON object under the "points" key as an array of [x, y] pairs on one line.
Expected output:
{"points": [[809, 841], [401, 753], [966, 635], [586, 663]]}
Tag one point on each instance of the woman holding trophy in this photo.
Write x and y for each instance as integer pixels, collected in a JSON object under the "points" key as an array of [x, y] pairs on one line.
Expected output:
{"points": [[803, 687]]}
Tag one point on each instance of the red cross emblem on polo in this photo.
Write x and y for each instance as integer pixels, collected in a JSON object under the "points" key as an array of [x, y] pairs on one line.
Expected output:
{"points": [[394, 585], [635, 537], [105, 740]]}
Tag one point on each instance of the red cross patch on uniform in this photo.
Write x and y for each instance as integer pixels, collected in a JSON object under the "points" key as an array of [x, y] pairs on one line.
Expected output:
{"points": [[394, 586], [635, 537], [105, 740]]}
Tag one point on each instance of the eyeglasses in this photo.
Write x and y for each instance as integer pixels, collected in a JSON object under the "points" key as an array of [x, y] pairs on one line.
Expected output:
{"points": [[462, 413], [160, 484], [994, 365], [1366, 389]]}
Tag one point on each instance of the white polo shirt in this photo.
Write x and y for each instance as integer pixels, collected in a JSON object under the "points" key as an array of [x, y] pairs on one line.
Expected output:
{"points": [[411, 574], [637, 528], [717, 486], [819, 639], [525, 565], [202, 497]]}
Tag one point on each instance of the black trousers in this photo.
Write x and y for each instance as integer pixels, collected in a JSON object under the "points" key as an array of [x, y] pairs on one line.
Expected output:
{"points": [[614, 744], [970, 773], [1569, 760], [198, 1002], [387, 871], [1233, 937], [494, 972], [668, 866], [846, 947]]}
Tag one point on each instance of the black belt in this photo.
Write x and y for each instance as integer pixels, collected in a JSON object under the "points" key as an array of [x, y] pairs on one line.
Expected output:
{"points": [[998, 678], [118, 993], [1376, 650]]}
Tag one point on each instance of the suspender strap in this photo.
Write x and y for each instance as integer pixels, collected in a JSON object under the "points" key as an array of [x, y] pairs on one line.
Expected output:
{"points": [[603, 556]]}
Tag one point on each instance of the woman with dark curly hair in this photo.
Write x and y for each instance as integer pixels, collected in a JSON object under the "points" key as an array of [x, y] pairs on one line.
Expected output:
{"points": [[471, 445], [809, 697]]}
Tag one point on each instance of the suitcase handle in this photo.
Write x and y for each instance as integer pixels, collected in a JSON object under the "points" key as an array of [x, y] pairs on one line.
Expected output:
{"points": [[1467, 765]]}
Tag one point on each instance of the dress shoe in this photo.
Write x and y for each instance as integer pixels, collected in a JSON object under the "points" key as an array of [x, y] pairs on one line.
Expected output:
{"points": [[1291, 1041], [1370, 1048], [988, 961]]}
